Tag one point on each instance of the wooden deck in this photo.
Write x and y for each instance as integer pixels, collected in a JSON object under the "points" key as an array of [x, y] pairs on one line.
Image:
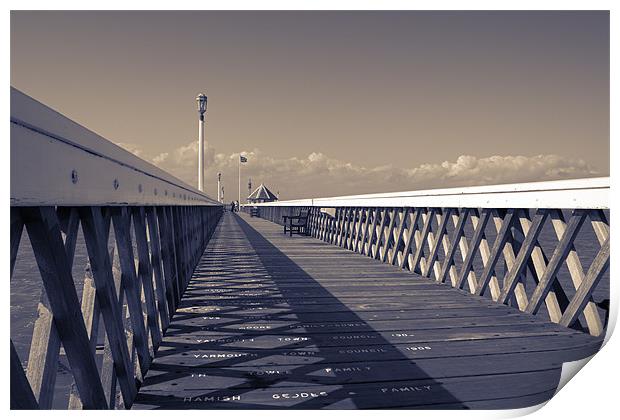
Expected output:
{"points": [[270, 321]]}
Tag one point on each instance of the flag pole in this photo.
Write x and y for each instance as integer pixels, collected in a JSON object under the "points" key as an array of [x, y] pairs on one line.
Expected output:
{"points": [[239, 181]]}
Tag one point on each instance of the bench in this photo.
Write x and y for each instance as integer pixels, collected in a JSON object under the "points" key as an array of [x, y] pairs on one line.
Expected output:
{"points": [[297, 224]]}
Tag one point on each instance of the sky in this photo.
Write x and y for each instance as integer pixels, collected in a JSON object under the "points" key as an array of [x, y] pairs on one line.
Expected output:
{"points": [[332, 103]]}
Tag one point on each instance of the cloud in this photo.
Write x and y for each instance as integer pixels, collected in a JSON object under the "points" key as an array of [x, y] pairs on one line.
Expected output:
{"points": [[319, 175]]}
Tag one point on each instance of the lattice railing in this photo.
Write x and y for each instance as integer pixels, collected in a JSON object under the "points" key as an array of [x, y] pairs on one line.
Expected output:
{"points": [[113, 242], [140, 260], [546, 260]]}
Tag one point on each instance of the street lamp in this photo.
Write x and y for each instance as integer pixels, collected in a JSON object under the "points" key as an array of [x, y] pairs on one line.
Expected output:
{"points": [[219, 188], [202, 108]]}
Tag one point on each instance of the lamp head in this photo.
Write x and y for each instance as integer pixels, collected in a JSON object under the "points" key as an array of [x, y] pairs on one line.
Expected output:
{"points": [[202, 103]]}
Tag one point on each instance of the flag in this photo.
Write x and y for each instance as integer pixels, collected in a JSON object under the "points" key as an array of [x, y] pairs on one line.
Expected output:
{"points": [[243, 159]]}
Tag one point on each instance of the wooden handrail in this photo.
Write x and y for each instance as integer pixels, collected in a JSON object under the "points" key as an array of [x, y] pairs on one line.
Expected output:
{"points": [[59, 162], [583, 193]]}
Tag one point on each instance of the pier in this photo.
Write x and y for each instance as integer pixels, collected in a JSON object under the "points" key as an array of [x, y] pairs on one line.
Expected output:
{"points": [[464, 298]]}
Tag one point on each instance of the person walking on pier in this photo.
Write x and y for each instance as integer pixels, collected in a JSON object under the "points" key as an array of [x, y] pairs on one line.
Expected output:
{"points": [[232, 206]]}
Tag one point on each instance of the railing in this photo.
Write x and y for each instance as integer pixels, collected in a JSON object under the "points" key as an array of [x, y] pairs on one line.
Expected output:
{"points": [[516, 244], [143, 231]]}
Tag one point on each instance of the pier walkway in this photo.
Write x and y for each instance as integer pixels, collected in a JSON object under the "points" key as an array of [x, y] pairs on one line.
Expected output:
{"points": [[272, 321], [149, 295]]}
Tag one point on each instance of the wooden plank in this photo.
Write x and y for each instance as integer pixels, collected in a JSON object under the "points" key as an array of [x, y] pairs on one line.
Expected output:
{"points": [[556, 300], [600, 224], [91, 315], [361, 221], [330, 221], [45, 342], [466, 268], [168, 260], [122, 231], [412, 230], [176, 247], [404, 215], [456, 235], [387, 236], [355, 372], [595, 272], [108, 372], [359, 225], [46, 240], [22, 397], [484, 253], [333, 227], [367, 395], [90, 312], [367, 245], [416, 265], [443, 217], [379, 233], [156, 264], [498, 247], [221, 354], [323, 226], [593, 320], [339, 221], [352, 228], [17, 227], [524, 255], [511, 250], [345, 232], [145, 274], [557, 259], [92, 225], [327, 227], [445, 243], [43, 356]]}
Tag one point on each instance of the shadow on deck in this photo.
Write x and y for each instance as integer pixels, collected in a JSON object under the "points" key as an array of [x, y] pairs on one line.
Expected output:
{"points": [[270, 321]]}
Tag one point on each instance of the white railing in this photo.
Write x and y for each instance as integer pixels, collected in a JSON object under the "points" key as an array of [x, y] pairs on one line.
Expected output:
{"points": [[58, 162], [586, 193]]}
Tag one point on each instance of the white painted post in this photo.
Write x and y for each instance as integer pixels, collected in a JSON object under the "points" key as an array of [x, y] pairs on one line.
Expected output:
{"points": [[219, 187], [202, 107]]}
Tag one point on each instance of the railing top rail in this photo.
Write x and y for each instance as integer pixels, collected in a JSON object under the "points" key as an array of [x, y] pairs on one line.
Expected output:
{"points": [[55, 161], [585, 193]]}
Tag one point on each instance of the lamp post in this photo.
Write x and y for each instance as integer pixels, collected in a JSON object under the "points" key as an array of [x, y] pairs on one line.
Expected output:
{"points": [[219, 186], [202, 108]]}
